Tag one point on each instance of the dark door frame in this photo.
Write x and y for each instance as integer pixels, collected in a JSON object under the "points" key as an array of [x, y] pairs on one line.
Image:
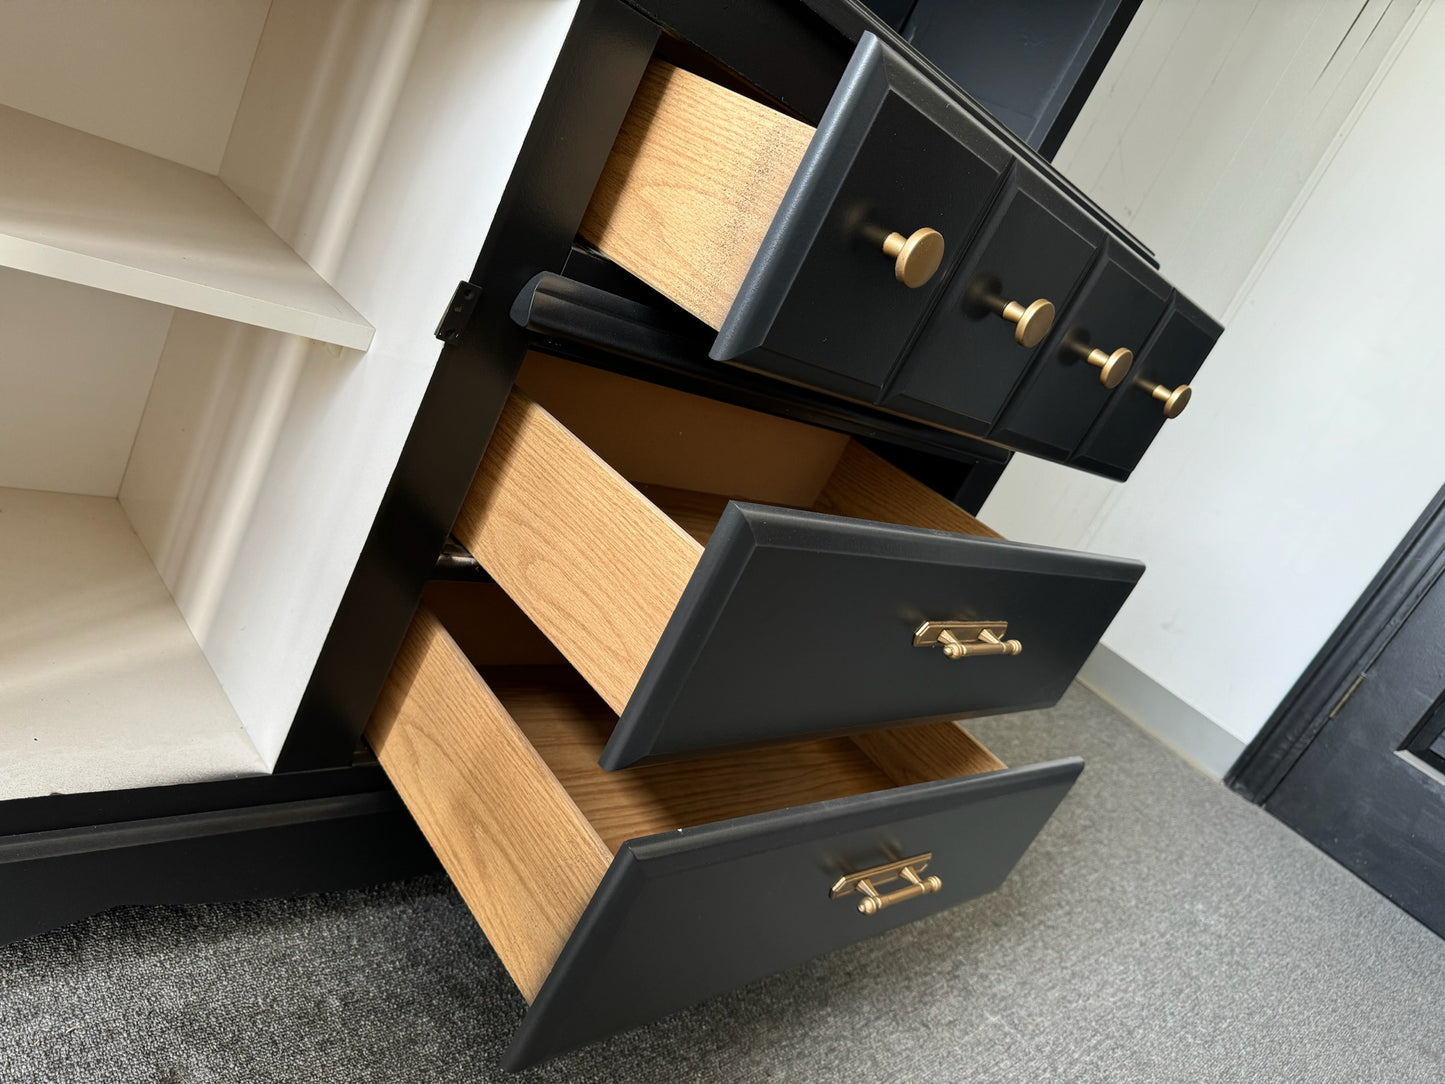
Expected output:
{"points": [[1347, 656]]}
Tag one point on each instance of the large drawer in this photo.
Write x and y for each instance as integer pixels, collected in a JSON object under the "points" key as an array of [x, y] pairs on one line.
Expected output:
{"points": [[815, 254], [613, 898], [706, 621]]}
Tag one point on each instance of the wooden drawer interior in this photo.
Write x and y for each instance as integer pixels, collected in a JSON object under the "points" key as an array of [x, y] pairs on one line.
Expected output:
{"points": [[493, 744], [694, 180], [598, 491]]}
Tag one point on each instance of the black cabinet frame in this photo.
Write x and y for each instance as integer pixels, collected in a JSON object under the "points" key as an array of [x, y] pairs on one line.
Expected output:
{"points": [[326, 821]]}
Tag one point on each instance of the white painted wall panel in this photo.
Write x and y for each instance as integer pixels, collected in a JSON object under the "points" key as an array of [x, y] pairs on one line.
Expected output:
{"points": [[1313, 439], [75, 367], [163, 76], [478, 73]]}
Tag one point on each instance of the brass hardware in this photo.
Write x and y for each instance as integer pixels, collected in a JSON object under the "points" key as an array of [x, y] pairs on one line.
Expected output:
{"points": [[916, 257], [966, 639], [1174, 399], [1113, 368], [1031, 323], [866, 882]]}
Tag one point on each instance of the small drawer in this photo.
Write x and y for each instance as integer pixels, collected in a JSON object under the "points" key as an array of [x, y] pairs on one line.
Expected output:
{"points": [[1158, 389], [997, 309], [747, 579], [615, 898], [1087, 356], [814, 253]]}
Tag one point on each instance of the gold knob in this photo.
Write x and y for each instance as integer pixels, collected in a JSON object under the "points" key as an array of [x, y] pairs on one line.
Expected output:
{"points": [[916, 258], [1174, 399], [1113, 368], [865, 883], [1031, 323]]}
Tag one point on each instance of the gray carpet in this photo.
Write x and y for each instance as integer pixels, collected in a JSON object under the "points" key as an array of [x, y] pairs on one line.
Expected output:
{"points": [[1160, 930]]}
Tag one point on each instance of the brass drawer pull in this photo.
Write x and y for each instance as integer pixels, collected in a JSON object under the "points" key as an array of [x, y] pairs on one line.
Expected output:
{"points": [[866, 882], [1113, 368], [915, 257], [1031, 323], [1174, 399], [965, 639]]}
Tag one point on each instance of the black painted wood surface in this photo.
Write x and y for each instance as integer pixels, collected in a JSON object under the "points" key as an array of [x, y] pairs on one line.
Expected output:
{"points": [[686, 915], [798, 624], [820, 303], [966, 362], [1117, 306], [1367, 791], [1132, 419], [64, 857]]}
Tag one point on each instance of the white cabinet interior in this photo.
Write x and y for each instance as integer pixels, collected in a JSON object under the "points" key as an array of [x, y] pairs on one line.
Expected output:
{"points": [[191, 459]]}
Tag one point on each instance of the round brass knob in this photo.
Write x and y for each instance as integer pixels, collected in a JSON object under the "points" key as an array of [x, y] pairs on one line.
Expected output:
{"points": [[1031, 323], [1174, 399], [1113, 368], [916, 258]]}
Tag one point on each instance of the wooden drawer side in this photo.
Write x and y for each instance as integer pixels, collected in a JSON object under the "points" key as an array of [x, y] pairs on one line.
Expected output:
{"points": [[691, 187], [522, 855], [591, 562]]}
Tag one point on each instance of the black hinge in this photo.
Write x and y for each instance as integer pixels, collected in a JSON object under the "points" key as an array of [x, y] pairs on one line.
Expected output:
{"points": [[459, 311]]}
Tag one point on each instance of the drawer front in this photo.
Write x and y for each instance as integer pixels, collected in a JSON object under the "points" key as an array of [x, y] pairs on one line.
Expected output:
{"points": [[686, 915], [822, 302], [974, 348], [1064, 393], [1152, 394], [796, 623]]}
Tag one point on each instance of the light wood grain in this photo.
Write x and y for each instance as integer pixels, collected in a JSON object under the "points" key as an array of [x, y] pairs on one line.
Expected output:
{"points": [[921, 754], [568, 726], [85, 210], [693, 182], [596, 567], [866, 486], [696, 513], [660, 436], [518, 849]]}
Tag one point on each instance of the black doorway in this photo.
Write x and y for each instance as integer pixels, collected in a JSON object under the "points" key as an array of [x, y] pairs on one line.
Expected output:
{"points": [[1354, 757]]}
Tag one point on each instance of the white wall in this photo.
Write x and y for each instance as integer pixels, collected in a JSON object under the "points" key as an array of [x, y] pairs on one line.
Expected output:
{"points": [[1313, 440]]}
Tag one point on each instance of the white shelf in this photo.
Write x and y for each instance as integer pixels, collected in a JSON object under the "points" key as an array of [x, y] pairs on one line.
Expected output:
{"points": [[102, 685], [86, 210]]}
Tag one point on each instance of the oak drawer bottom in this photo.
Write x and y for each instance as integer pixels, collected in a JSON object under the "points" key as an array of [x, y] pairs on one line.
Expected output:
{"points": [[614, 898]]}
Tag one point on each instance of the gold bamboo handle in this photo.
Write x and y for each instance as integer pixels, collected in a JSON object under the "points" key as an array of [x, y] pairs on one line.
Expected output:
{"points": [[865, 883], [873, 901], [966, 639], [986, 644], [916, 258]]}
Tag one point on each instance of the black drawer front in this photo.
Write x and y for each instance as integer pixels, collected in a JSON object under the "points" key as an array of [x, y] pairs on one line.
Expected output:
{"points": [[1129, 424], [820, 303], [797, 624], [968, 359], [1117, 307], [690, 914]]}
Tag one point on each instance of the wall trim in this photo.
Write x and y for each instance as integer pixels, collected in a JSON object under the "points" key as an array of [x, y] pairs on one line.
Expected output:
{"points": [[1153, 708]]}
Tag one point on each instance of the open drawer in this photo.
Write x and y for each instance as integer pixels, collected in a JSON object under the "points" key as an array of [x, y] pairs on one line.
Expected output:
{"points": [[824, 604], [613, 898], [814, 253]]}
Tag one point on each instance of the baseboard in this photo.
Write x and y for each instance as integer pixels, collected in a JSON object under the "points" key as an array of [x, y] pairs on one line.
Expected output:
{"points": [[1186, 730]]}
